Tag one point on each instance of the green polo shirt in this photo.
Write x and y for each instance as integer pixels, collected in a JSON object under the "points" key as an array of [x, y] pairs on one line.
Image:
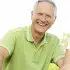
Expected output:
{"points": [[24, 54]]}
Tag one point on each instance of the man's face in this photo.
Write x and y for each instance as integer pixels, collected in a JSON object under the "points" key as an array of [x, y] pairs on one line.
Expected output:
{"points": [[43, 17]]}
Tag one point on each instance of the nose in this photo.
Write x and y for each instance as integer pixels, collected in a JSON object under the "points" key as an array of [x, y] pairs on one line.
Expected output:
{"points": [[43, 18]]}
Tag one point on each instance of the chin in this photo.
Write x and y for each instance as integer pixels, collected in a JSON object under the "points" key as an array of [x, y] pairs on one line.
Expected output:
{"points": [[41, 30]]}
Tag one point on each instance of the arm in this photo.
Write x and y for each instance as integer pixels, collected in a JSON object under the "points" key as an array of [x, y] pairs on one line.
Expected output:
{"points": [[60, 62], [1, 63], [67, 57], [7, 45], [59, 54], [66, 63], [3, 55]]}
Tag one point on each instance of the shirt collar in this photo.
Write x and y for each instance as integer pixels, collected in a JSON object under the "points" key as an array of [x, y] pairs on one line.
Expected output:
{"points": [[44, 40], [29, 36]]}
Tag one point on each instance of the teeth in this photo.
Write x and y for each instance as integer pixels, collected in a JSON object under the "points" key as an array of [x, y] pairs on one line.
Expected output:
{"points": [[42, 24]]}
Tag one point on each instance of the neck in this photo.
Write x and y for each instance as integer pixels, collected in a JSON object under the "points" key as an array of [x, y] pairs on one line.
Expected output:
{"points": [[37, 36]]}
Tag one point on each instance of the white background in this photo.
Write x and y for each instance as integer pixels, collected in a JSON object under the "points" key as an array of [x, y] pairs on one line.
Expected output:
{"points": [[17, 13]]}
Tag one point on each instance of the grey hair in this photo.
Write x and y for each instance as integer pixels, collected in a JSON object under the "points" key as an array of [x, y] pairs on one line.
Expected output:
{"points": [[49, 1]]}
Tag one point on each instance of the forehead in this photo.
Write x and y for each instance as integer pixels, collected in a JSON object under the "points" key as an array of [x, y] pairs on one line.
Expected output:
{"points": [[45, 7]]}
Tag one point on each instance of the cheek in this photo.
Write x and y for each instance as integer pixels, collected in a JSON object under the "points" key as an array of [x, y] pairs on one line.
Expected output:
{"points": [[50, 24], [51, 21], [35, 19]]}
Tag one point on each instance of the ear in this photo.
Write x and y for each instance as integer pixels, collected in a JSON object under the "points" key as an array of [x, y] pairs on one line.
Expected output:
{"points": [[31, 14], [55, 18]]}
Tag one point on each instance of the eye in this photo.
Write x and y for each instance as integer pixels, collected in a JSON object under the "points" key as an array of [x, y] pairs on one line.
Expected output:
{"points": [[40, 14], [48, 16]]}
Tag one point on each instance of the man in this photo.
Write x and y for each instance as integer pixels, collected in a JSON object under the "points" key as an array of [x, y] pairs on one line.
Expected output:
{"points": [[32, 48]]}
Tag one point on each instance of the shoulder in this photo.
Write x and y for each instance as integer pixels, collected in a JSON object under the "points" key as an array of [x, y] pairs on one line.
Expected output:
{"points": [[17, 30], [13, 33], [52, 37]]}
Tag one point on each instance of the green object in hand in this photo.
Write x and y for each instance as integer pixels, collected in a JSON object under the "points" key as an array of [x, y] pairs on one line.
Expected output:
{"points": [[53, 66]]}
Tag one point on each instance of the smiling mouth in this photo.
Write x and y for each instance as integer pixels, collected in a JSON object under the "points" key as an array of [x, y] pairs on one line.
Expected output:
{"points": [[42, 24]]}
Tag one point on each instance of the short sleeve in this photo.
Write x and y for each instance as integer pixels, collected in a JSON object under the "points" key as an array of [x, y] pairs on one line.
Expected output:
{"points": [[8, 41], [68, 47], [59, 52]]}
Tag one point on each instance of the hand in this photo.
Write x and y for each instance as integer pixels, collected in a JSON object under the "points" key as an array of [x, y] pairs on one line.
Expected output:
{"points": [[65, 67]]}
